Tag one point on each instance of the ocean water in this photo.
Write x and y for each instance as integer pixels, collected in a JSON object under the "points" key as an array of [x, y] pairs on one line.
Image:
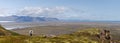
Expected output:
{"points": [[17, 25], [6, 21], [2, 23]]}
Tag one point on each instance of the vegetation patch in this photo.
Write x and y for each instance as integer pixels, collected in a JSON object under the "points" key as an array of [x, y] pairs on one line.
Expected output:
{"points": [[81, 36]]}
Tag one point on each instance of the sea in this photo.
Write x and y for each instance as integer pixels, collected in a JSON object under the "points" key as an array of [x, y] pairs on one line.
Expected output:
{"points": [[18, 25]]}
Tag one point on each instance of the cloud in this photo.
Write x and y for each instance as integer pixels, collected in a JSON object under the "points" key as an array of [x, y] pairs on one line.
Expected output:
{"points": [[43, 11], [60, 12], [5, 12]]}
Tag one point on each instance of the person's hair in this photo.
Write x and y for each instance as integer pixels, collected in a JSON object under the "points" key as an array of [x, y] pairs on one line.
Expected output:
{"points": [[106, 31]]}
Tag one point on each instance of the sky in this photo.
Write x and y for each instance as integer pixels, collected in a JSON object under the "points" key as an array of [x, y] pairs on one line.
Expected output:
{"points": [[63, 9]]}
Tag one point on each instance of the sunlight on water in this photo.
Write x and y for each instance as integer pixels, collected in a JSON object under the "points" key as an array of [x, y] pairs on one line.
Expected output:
{"points": [[6, 21]]}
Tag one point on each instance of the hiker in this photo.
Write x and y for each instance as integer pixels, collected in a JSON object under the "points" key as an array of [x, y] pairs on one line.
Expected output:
{"points": [[102, 36], [31, 32], [108, 36], [105, 35]]}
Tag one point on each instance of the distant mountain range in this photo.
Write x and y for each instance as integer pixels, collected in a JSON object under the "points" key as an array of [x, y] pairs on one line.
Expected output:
{"points": [[27, 19]]}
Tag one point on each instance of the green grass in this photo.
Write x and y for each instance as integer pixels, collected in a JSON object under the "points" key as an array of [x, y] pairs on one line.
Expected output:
{"points": [[81, 36], [5, 32]]}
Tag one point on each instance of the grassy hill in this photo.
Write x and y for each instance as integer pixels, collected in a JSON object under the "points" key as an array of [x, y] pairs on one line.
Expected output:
{"points": [[4, 32], [81, 36]]}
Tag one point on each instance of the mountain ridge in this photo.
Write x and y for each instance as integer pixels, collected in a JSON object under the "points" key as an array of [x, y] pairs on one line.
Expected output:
{"points": [[27, 18]]}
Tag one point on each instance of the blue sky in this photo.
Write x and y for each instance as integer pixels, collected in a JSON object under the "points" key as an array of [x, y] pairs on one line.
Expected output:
{"points": [[63, 9]]}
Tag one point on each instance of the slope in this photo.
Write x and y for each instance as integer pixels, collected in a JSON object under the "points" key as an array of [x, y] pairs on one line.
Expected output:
{"points": [[4, 32]]}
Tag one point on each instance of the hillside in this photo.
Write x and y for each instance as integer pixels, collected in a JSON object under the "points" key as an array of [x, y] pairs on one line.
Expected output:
{"points": [[4, 32], [82, 36]]}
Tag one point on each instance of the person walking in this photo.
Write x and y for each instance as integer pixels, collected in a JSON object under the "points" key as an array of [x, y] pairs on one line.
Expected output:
{"points": [[31, 32], [105, 36]]}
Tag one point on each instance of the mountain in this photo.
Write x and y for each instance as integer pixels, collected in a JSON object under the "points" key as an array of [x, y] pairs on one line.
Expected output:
{"points": [[7, 18], [26, 19]]}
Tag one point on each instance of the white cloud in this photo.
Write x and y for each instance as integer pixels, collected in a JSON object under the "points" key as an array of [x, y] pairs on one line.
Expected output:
{"points": [[5, 12], [54, 12], [43, 11]]}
